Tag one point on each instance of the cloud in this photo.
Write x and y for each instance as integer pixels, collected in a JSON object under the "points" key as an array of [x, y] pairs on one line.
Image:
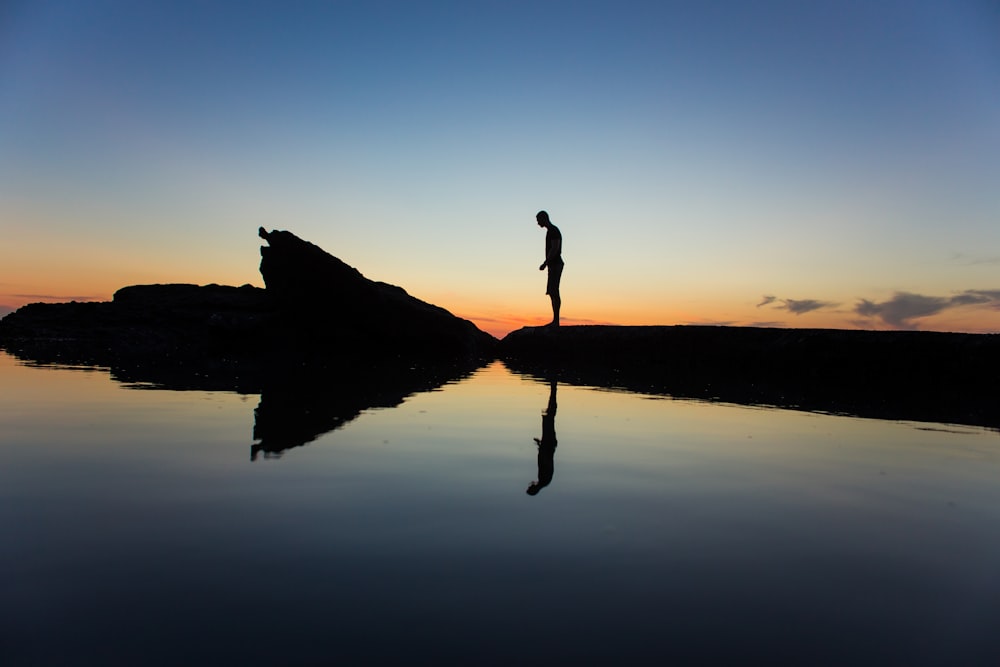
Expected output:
{"points": [[6, 310], [56, 297], [990, 296], [800, 306], [765, 300], [795, 306], [970, 260], [708, 323], [904, 307]]}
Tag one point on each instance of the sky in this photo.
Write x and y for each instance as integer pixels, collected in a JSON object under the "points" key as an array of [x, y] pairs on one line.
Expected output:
{"points": [[829, 164]]}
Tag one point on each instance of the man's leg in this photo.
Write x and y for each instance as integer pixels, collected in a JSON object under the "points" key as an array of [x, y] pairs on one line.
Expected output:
{"points": [[552, 289]]}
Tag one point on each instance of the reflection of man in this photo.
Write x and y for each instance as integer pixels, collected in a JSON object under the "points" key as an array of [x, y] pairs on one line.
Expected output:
{"points": [[553, 261], [546, 445]]}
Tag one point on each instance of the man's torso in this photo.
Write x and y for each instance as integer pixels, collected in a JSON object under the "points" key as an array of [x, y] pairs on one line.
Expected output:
{"points": [[553, 237]]}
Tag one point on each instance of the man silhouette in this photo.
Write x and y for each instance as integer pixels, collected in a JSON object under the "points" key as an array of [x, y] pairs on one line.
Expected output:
{"points": [[546, 444], [553, 261]]}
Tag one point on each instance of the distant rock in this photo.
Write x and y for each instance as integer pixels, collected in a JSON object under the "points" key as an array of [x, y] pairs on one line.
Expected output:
{"points": [[171, 325], [315, 310], [912, 375]]}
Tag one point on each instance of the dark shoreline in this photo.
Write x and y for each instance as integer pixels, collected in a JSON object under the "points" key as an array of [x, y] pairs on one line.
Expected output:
{"points": [[321, 328], [901, 375], [898, 375]]}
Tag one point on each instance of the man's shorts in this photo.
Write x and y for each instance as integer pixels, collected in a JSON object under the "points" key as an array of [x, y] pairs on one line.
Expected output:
{"points": [[555, 274]]}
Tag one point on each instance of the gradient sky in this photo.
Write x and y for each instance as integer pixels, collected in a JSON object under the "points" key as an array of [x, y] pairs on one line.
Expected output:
{"points": [[778, 163]]}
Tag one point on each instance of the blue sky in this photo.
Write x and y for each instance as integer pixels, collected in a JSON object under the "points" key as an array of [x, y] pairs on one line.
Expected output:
{"points": [[780, 163]]}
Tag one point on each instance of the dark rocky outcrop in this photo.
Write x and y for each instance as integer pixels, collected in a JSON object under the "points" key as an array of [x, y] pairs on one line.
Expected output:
{"points": [[170, 334], [331, 306], [315, 311], [911, 375]]}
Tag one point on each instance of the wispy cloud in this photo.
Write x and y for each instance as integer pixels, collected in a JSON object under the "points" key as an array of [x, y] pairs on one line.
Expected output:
{"points": [[904, 308], [795, 306], [766, 299], [56, 297], [982, 296], [800, 306], [973, 260], [709, 323]]}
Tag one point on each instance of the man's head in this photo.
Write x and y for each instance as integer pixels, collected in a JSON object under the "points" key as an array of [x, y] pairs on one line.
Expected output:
{"points": [[543, 219]]}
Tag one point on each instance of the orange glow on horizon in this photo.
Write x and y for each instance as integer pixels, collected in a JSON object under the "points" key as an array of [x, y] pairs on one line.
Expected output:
{"points": [[510, 316], [977, 321]]}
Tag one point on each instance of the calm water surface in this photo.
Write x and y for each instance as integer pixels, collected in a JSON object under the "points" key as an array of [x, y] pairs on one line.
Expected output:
{"points": [[137, 530]]}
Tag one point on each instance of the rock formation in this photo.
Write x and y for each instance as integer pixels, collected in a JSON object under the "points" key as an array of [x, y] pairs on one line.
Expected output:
{"points": [[911, 375], [315, 311], [331, 305]]}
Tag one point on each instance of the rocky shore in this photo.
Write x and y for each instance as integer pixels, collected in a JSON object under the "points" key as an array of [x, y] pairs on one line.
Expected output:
{"points": [[321, 329], [316, 314], [909, 375]]}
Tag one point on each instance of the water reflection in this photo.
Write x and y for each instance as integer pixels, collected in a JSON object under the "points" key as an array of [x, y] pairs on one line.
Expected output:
{"points": [[298, 403], [296, 409], [951, 403], [709, 534], [546, 444]]}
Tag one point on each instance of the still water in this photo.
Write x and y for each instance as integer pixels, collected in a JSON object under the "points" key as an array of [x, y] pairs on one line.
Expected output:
{"points": [[499, 519]]}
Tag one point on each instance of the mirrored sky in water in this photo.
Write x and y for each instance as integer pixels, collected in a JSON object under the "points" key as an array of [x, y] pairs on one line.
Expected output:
{"points": [[139, 530]]}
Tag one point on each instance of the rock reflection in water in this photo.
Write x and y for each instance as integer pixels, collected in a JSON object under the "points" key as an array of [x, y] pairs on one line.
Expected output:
{"points": [[298, 402], [295, 410]]}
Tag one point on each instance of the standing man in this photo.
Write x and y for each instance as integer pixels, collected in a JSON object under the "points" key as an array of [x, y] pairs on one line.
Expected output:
{"points": [[554, 262]]}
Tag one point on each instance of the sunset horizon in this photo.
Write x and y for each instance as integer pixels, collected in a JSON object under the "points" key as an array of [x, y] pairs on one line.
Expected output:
{"points": [[775, 164], [972, 311]]}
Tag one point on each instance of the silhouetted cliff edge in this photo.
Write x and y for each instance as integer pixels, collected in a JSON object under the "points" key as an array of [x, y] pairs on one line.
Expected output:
{"points": [[315, 312], [912, 375]]}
